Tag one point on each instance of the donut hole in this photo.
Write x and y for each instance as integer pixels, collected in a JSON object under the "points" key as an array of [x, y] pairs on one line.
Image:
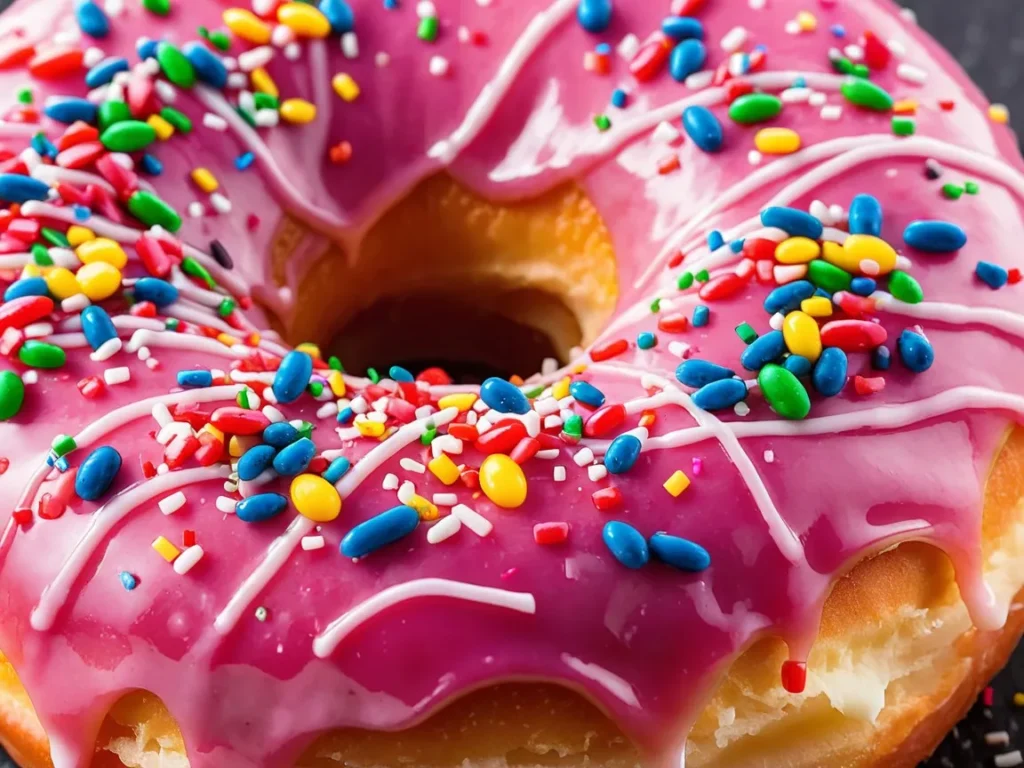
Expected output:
{"points": [[446, 277]]}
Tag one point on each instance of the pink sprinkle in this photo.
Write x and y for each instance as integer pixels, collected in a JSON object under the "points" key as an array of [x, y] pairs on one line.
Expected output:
{"points": [[509, 573], [698, 466], [988, 696]]}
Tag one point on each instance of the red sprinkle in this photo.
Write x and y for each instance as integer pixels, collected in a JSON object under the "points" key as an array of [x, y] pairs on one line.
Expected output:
{"points": [[853, 335], [988, 696], [723, 286], [180, 450], [1014, 276], [467, 432], [80, 155], [651, 58], [550, 533], [876, 53], [239, 421], [609, 350], [56, 63], [91, 387], [604, 420], [676, 260], [502, 437], [686, 7], [5, 464], [525, 450], [737, 88], [22, 516], [470, 477], [148, 469], [211, 449], [17, 313], [794, 676], [51, 507], [154, 258], [947, 105], [868, 386], [188, 538], [855, 306], [607, 498], [673, 322], [14, 52]]}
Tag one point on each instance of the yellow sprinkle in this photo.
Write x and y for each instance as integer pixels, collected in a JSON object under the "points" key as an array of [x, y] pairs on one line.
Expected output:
{"points": [[102, 249], [560, 388], [62, 283], [78, 234], [310, 349], [444, 469], [424, 508], [777, 141], [165, 549], [236, 447], [212, 430], [247, 25], [263, 82], [579, 368], [816, 306], [677, 483], [503, 481], [864, 254], [304, 20], [337, 383], [999, 113], [31, 270], [164, 130], [345, 86], [1018, 699], [905, 107], [802, 335], [648, 418], [807, 21], [462, 400], [369, 428], [205, 180], [99, 280], [315, 498], [797, 250], [227, 339], [298, 111]]}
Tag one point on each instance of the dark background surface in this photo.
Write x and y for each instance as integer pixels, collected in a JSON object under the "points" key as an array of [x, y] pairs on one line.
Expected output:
{"points": [[987, 38]]}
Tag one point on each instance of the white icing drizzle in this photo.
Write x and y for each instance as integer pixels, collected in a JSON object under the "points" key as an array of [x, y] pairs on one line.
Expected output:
{"points": [[615, 685], [55, 174], [325, 643], [954, 314], [189, 341], [491, 95], [101, 524]]}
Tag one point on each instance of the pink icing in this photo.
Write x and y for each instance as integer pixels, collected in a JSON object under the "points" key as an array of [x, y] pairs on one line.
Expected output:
{"points": [[909, 463]]}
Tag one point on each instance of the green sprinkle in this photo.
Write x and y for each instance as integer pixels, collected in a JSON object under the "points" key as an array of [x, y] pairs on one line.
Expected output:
{"points": [[905, 288], [175, 65], [746, 332], [25, 95], [220, 39], [334, 364], [784, 392], [226, 307], [573, 425], [171, 324], [39, 354], [150, 210], [656, 306], [55, 237], [316, 388], [159, 7], [842, 65], [971, 187], [111, 112], [41, 256], [866, 94], [244, 114], [265, 101], [428, 437], [12, 394], [62, 445], [128, 136], [861, 70], [702, 276], [178, 119], [828, 276], [952, 191], [755, 108], [372, 375], [603, 122], [193, 268], [904, 126], [428, 29], [685, 281], [306, 430], [535, 392], [245, 399]]}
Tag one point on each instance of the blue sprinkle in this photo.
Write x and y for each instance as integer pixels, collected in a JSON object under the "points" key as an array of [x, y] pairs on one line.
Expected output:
{"points": [[715, 240], [43, 146], [763, 350], [829, 376], [744, 60], [786, 298], [881, 358], [701, 315], [798, 365], [618, 98], [62, 464], [800, 82], [698, 373], [626, 544], [594, 15], [703, 128], [390, 5], [646, 340], [586, 393], [244, 161], [863, 286], [680, 553], [719, 395], [151, 165], [993, 275], [68, 109], [208, 66], [262, 506], [50, 459], [603, 49], [292, 376], [128, 581], [682, 28], [345, 415], [158, 291], [195, 379], [27, 286], [337, 470], [866, 216], [294, 458], [97, 326], [793, 222], [15, 188], [339, 13], [687, 58], [622, 453], [104, 72], [934, 236], [398, 373], [97, 473], [823, 293], [255, 462], [91, 19], [915, 351], [504, 396], [736, 246], [145, 48], [379, 531], [838, 30], [280, 434], [81, 212]]}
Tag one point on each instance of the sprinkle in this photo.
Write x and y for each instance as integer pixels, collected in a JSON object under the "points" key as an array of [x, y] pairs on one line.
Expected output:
{"points": [[204, 179], [444, 469], [188, 559], [626, 544], [215, 122], [166, 549], [444, 529], [677, 483], [128, 581], [312, 543], [558, 474], [550, 533], [171, 504], [993, 275], [1008, 759], [439, 66], [999, 113]]}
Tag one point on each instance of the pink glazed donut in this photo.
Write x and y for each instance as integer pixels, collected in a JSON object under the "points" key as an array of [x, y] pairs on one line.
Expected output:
{"points": [[761, 504]]}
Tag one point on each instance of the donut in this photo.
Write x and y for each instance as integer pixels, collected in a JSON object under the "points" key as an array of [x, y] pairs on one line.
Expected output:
{"points": [[680, 423]]}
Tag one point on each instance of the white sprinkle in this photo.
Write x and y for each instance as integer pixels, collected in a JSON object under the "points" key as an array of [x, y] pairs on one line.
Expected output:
{"points": [[734, 39], [831, 112], [699, 80], [439, 66], [75, 303], [754, 157], [152, 363], [741, 409], [187, 560], [665, 133], [377, 416], [37, 330], [546, 406], [597, 472], [897, 47], [792, 27], [423, 411], [114, 7], [358, 405], [818, 99], [425, 9], [854, 52], [547, 454], [255, 58], [908, 15], [162, 414], [583, 457], [795, 95], [628, 46], [350, 45], [215, 122], [263, 7], [472, 519], [92, 57], [226, 505], [769, 456], [292, 51], [165, 90], [566, 402], [229, 485], [912, 74], [463, 34], [282, 36], [679, 348], [30, 377], [1008, 759], [1001, 738], [552, 421], [838, 216], [559, 474], [443, 529], [196, 210], [381, 59], [171, 504], [820, 211], [271, 412], [445, 499], [238, 80], [327, 410], [390, 482], [757, 5], [406, 491], [117, 375], [311, 543], [107, 350], [480, 406], [411, 465], [380, 404]]}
